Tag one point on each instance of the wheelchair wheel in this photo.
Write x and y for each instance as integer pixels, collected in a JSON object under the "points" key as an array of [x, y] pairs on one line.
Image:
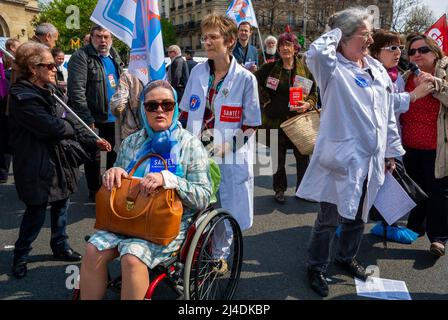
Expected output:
{"points": [[208, 278]]}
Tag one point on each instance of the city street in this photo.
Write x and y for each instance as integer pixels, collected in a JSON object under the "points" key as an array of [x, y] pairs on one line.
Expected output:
{"points": [[274, 252]]}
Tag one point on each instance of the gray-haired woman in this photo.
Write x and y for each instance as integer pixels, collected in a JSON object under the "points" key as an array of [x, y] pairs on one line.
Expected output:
{"points": [[358, 139]]}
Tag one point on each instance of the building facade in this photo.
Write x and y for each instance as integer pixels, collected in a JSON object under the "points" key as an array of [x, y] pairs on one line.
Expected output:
{"points": [[304, 17], [16, 17]]}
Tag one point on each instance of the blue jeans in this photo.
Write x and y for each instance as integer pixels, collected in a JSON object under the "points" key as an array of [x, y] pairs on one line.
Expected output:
{"points": [[32, 223]]}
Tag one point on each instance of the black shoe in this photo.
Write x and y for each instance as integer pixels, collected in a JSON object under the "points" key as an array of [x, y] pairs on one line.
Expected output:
{"points": [[19, 269], [280, 197], [355, 269], [318, 283], [67, 255]]}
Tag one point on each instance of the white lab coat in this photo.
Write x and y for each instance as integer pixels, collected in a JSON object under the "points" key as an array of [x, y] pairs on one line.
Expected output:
{"points": [[357, 132], [238, 92]]}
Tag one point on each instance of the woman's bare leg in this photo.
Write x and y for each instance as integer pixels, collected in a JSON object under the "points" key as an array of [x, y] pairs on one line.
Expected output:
{"points": [[134, 278], [93, 279]]}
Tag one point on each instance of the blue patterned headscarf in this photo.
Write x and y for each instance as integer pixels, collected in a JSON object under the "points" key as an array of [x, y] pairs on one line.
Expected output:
{"points": [[164, 142]]}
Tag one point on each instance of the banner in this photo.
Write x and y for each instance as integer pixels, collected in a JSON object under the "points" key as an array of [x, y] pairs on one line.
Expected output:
{"points": [[242, 11], [136, 23], [439, 32]]}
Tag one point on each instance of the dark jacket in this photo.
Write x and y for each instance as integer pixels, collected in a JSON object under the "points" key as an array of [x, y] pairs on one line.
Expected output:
{"points": [[241, 57], [191, 64], [86, 84], [178, 75], [41, 170]]}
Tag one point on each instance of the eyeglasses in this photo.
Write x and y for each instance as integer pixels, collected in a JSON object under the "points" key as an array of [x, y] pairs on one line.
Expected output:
{"points": [[211, 37], [421, 50], [153, 106], [365, 35], [50, 66], [393, 48]]}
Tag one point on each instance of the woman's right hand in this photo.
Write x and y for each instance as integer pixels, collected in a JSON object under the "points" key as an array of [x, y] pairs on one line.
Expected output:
{"points": [[112, 177], [422, 90]]}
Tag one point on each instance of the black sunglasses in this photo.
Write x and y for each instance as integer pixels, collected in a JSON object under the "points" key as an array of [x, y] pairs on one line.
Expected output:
{"points": [[50, 66], [152, 106], [422, 50]]}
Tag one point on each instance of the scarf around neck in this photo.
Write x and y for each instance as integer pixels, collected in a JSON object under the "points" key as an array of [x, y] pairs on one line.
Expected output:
{"points": [[393, 73], [163, 143]]}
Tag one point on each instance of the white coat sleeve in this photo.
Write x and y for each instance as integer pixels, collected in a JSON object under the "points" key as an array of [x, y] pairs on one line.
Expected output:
{"points": [[394, 147], [401, 102], [251, 102], [402, 99], [321, 57]]}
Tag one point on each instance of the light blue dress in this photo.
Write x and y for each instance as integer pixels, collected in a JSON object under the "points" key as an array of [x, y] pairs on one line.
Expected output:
{"points": [[194, 190]]}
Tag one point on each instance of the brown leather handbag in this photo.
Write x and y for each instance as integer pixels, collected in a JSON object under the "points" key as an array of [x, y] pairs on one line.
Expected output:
{"points": [[128, 211]]}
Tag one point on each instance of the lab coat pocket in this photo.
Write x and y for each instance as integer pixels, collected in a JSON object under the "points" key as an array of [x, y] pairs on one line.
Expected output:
{"points": [[335, 155]]}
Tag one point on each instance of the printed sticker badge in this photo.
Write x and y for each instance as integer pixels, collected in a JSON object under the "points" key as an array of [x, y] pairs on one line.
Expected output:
{"points": [[231, 114], [195, 103], [157, 165], [360, 81]]}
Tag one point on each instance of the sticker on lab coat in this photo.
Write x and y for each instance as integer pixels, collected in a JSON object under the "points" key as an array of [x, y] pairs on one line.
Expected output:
{"points": [[231, 114], [360, 81], [272, 83], [195, 102]]}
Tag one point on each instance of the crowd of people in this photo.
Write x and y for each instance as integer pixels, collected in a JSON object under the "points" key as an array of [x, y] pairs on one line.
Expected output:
{"points": [[373, 113]]}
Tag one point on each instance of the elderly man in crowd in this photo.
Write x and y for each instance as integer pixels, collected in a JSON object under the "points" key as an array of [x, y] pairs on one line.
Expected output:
{"points": [[177, 72], [93, 75], [47, 34]]}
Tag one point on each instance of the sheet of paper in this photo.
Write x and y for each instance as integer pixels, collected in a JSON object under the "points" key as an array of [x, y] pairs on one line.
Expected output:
{"points": [[304, 83], [249, 64], [392, 201], [385, 289]]}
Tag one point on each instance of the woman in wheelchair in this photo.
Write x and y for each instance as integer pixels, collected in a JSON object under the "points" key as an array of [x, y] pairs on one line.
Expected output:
{"points": [[188, 173]]}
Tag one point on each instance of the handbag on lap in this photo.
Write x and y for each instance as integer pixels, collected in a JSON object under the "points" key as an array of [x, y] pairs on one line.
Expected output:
{"points": [[130, 212]]}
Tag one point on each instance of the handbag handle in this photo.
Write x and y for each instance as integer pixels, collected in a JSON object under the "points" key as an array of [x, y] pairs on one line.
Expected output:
{"points": [[315, 109]]}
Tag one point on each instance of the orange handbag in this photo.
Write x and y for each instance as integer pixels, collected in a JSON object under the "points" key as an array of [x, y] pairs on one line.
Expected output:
{"points": [[130, 212]]}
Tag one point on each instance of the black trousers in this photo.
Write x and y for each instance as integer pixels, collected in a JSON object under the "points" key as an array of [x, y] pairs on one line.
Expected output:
{"points": [[32, 222], [280, 182], [93, 167], [430, 215]]}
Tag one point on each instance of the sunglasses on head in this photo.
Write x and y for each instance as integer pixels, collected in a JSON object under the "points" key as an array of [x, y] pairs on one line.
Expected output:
{"points": [[50, 66], [393, 48], [152, 106], [422, 50]]}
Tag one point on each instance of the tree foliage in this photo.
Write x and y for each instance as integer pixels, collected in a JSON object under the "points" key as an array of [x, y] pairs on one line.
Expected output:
{"points": [[55, 13], [419, 20], [168, 32]]}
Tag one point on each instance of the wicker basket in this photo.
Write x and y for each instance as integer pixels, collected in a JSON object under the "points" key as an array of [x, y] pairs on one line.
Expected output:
{"points": [[302, 130]]}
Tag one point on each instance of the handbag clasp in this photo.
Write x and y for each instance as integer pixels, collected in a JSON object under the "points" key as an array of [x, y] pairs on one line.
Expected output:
{"points": [[130, 205]]}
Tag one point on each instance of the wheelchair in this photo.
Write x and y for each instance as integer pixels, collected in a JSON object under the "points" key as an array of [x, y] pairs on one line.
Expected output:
{"points": [[192, 272]]}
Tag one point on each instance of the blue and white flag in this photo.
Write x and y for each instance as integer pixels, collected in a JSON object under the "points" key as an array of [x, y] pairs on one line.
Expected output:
{"points": [[242, 11], [136, 23]]}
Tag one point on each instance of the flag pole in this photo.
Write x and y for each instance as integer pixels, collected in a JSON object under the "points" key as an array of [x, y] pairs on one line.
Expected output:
{"points": [[6, 52], [261, 44], [259, 35], [74, 114]]}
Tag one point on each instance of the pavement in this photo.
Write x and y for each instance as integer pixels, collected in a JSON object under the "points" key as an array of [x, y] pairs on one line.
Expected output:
{"points": [[275, 251]]}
